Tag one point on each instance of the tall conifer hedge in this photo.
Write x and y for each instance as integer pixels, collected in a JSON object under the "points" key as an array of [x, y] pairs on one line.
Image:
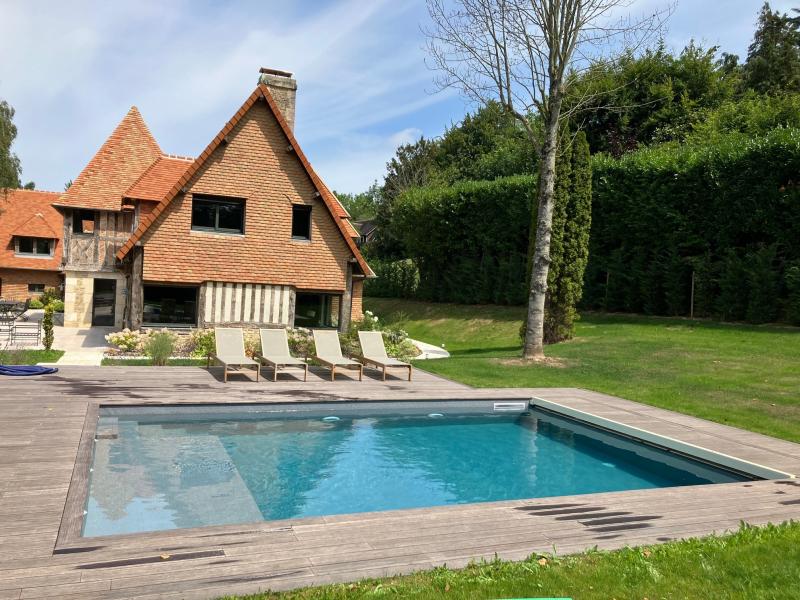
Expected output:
{"points": [[729, 213]]}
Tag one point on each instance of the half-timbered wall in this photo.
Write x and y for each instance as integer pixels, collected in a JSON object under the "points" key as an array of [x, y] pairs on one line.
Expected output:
{"points": [[240, 303], [95, 251]]}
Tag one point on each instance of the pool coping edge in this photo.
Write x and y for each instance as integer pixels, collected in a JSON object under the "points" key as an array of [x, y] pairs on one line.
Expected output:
{"points": [[657, 439]]}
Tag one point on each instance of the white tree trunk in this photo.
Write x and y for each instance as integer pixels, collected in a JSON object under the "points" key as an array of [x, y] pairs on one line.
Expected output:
{"points": [[534, 328]]}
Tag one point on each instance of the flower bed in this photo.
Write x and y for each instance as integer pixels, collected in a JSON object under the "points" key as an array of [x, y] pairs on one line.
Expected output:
{"points": [[199, 343]]}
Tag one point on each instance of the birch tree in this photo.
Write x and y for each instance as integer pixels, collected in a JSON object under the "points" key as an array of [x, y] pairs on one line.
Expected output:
{"points": [[524, 54]]}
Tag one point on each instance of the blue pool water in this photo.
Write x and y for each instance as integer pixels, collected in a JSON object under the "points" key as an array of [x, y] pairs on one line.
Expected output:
{"points": [[165, 472]]}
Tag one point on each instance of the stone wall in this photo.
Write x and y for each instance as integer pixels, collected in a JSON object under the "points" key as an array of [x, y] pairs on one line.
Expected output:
{"points": [[78, 291]]}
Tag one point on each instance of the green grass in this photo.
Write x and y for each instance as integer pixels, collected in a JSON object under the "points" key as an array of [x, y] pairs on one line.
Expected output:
{"points": [[753, 563], [146, 362], [29, 357], [741, 375]]}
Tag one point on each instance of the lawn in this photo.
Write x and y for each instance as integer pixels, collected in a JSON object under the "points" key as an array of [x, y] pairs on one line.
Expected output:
{"points": [[146, 362], [752, 563], [741, 375], [29, 357]]}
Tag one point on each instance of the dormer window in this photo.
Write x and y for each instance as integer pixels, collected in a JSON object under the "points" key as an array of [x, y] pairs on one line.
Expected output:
{"points": [[36, 247]]}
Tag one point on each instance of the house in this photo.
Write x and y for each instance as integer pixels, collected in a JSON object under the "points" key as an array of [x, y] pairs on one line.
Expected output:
{"points": [[30, 243], [244, 234], [367, 228]]}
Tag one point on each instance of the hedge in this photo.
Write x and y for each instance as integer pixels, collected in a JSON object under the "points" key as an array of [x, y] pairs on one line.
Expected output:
{"points": [[469, 241], [395, 279], [727, 214]]}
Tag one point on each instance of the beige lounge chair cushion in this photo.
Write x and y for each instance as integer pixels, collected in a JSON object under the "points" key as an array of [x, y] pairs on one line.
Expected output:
{"points": [[275, 347], [229, 342], [328, 348], [373, 349]]}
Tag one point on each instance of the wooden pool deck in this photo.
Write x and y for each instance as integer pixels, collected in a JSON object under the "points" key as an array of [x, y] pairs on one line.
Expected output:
{"points": [[41, 424]]}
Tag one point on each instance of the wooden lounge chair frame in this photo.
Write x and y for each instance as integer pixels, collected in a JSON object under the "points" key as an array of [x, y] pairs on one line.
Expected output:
{"points": [[276, 364], [378, 357], [341, 361], [225, 361]]}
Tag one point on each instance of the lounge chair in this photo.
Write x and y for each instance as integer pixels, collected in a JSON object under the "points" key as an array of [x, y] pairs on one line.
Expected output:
{"points": [[275, 352], [230, 352], [329, 353], [374, 352]]}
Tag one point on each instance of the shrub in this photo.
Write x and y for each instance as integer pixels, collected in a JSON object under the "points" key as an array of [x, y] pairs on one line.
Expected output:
{"points": [[301, 342], [47, 326], [201, 342], [252, 342], [395, 279], [469, 241], [50, 295], [762, 279], [35, 303], [725, 209], [793, 288], [397, 343], [58, 305], [125, 340], [159, 346]]}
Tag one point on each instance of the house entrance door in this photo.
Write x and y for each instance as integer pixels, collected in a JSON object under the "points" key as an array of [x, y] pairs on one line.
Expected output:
{"points": [[103, 301]]}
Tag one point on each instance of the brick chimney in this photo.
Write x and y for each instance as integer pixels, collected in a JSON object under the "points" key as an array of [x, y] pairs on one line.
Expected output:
{"points": [[283, 89]]}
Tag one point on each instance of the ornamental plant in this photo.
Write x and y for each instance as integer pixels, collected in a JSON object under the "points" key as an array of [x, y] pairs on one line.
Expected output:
{"points": [[159, 346], [47, 326], [201, 342], [301, 342], [126, 340]]}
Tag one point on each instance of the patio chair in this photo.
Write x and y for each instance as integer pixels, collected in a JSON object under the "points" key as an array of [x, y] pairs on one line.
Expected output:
{"points": [[373, 351], [31, 330], [329, 353], [275, 352], [229, 342]]}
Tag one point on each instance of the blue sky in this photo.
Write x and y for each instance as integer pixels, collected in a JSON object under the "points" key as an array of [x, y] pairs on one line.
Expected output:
{"points": [[72, 70]]}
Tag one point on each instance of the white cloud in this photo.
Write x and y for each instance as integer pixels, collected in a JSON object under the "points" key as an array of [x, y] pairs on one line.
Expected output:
{"points": [[360, 159], [72, 70], [78, 67]]}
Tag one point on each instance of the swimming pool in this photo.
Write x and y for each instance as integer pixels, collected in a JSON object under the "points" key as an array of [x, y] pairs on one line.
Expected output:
{"points": [[160, 468]]}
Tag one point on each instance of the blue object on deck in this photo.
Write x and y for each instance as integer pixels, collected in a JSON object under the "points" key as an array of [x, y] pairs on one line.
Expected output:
{"points": [[26, 370]]}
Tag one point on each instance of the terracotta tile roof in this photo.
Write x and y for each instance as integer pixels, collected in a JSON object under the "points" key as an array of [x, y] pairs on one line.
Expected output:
{"points": [[120, 161], [350, 229], [336, 209], [159, 178], [29, 213], [36, 226], [340, 211]]}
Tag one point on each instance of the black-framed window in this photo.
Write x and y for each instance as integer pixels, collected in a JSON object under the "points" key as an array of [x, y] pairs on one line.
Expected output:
{"points": [[316, 310], [83, 221], [170, 305], [34, 246], [36, 288], [217, 214], [301, 222]]}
